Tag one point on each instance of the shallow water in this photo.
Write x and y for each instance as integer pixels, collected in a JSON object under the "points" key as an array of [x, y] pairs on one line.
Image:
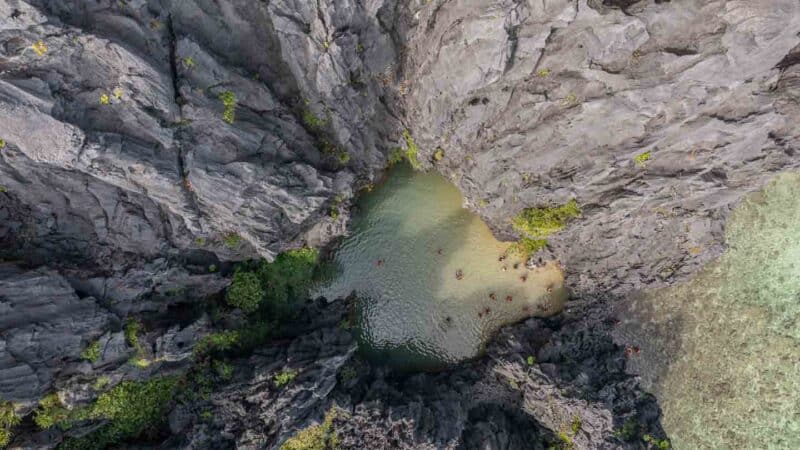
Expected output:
{"points": [[722, 352], [408, 238]]}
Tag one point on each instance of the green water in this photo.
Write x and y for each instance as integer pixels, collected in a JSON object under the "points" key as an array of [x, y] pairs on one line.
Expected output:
{"points": [[722, 352], [408, 239]]}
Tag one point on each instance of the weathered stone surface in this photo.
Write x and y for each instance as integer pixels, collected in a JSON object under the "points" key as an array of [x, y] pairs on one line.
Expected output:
{"points": [[44, 327], [123, 182]]}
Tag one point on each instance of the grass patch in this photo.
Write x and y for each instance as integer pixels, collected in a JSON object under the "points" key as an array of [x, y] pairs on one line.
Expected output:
{"points": [[228, 100], [527, 246], [312, 121], [2, 144], [39, 47], [92, 352], [543, 73], [576, 424], [411, 150], [285, 377], [661, 444], [315, 437]]}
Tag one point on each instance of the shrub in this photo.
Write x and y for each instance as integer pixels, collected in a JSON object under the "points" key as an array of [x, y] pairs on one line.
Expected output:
{"points": [[51, 412], [223, 369], [105, 99], [231, 240], [411, 150], [576, 424], [628, 430], [287, 278], [8, 420], [92, 352], [285, 377], [245, 292], [541, 222], [531, 360], [228, 100], [344, 157], [661, 444], [188, 62], [39, 47], [641, 158], [315, 437], [543, 73], [311, 121], [2, 144], [217, 342], [100, 383], [438, 155], [130, 408], [527, 246], [132, 329]]}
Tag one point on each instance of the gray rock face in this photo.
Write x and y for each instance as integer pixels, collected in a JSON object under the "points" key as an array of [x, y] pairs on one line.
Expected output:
{"points": [[535, 103], [44, 327], [132, 185]]}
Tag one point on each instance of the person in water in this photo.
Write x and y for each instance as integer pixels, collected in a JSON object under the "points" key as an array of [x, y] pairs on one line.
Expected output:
{"points": [[509, 298], [523, 278], [492, 296], [459, 274], [380, 263]]}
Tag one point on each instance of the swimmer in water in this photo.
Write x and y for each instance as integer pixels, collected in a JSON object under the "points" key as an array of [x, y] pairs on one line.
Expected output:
{"points": [[523, 278], [492, 296], [380, 263], [509, 298], [459, 274]]}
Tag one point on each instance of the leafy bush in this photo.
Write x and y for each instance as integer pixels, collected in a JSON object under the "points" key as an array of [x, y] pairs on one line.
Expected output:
{"points": [[287, 279], [223, 369], [132, 329], [51, 412], [8, 420], [661, 444], [92, 352], [316, 437], [130, 408], [245, 292], [576, 424], [311, 121], [39, 47], [411, 150], [285, 377], [527, 246], [217, 342], [228, 100], [231, 240], [531, 360], [541, 222]]}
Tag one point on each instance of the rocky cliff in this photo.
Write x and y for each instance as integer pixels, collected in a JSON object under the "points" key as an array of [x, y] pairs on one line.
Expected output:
{"points": [[146, 146]]}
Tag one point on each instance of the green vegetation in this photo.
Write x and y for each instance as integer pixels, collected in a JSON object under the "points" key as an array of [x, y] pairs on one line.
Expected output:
{"points": [[527, 246], [344, 157], [217, 342], [411, 150], [228, 100], [576, 424], [2, 144], [212, 268], [661, 444], [101, 383], [337, 202], [132, 329], [287, 278], [39, 47], [541, 222], [231, 240], [188, 62], [51, 412], [543, 73], [3, 189], [245, 292], [8, 420], [537, 223], [223, 369], [628, 430], [311, 121], [285, 377], [642, 158], [531, 360], [315, 437], [348, 372], [438, 155], [105, 99], [92, 352], [566, 440], [129, 408], [200, 242]]}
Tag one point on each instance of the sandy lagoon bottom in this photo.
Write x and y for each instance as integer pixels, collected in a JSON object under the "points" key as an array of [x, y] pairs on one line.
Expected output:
{"points": [[409, 239]]}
